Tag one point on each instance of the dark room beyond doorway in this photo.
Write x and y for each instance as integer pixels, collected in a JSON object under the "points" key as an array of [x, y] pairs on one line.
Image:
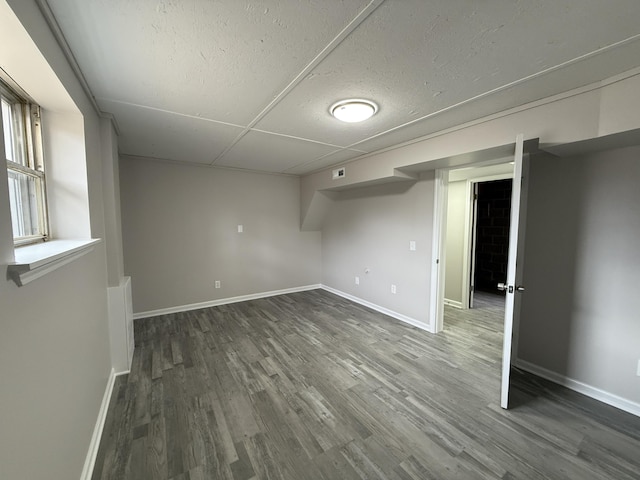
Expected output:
{"points": [[492, 235]]}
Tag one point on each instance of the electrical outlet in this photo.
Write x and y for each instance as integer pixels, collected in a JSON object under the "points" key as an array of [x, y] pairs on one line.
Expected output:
{"points": [[393, 289], [412, 245], [240, 229], [357, 280], [217, 285], [638, 372]]}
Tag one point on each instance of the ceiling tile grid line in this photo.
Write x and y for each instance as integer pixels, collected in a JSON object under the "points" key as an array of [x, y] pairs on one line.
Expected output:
{"points": [[169, 112], [246, 128], [169, 161], [337, 148], [291, 171], [351, 26], [284, 135]]}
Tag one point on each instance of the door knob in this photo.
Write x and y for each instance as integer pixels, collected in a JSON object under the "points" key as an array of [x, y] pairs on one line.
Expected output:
{"points": [[509, 288]]}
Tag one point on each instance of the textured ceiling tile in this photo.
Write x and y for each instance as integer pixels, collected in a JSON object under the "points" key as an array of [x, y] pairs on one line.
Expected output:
{"points": [[271, 153], [415, 58], [151, 133], [225, 60], [588, 71]]}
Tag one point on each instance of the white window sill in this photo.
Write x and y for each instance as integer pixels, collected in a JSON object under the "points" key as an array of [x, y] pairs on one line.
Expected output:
{"points": [[34, 261]]}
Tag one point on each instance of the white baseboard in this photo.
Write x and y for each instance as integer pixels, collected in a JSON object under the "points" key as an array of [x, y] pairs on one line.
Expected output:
{"points": [[222, 301], [378, 308], [580, 387], [453, 303], [90, 460]]}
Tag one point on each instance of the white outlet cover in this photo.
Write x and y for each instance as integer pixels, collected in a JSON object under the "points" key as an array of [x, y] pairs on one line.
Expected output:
{"points": [[412, 245], [357, 280], [240, 229], [393, 289]]}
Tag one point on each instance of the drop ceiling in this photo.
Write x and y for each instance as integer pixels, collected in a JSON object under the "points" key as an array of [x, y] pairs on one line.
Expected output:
{"points": [[248, 84]]}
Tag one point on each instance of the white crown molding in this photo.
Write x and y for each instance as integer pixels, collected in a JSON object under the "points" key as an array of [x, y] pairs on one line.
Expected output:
{"points": [[54, 26]]}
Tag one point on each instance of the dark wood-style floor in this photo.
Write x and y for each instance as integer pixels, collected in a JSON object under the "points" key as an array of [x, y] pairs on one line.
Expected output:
{"points": [[312, 386]]}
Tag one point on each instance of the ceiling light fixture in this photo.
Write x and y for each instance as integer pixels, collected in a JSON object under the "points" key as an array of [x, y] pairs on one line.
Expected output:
{"points": [[353, 110]]}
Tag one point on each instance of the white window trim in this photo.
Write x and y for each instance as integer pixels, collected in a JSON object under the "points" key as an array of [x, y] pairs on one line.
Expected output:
{"points": [[63, 144], [34, 261], [34, 167]]}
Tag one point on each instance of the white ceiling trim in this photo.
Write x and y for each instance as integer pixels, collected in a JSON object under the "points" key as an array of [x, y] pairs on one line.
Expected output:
{"points": [[187, 163], [339, 147], [331, 46], [170, 112], [54, 26]]}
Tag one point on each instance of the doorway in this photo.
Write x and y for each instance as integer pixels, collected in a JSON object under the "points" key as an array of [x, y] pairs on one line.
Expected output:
{"points": [[513, 282], [477, 232], [489, 252], [477, 219]]}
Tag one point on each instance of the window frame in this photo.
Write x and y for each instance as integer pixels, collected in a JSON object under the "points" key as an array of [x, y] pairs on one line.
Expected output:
{"points": [[32, 167]]}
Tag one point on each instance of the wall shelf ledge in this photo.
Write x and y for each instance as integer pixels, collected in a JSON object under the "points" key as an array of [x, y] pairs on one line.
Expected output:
{"points": [[34, 261]]}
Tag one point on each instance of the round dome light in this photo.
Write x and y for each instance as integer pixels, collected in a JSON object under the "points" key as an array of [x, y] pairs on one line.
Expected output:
{"points": [[353, 110]]}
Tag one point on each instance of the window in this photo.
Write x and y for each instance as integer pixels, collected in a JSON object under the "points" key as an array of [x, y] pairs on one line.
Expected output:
{"points": [[25, 167]]}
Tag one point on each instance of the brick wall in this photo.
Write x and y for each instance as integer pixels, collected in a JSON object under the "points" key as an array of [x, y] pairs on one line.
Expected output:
{"points": [[492, 234]]}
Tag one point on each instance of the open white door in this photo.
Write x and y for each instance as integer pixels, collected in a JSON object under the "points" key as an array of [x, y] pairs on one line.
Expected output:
{"points": [[511, 285], [472, 252]]}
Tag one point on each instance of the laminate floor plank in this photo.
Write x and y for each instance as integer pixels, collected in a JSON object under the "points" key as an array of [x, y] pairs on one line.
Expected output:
{"points": [[312, 386]]}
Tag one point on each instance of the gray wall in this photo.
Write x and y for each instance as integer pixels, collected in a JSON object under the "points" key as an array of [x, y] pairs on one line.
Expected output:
{"points": [[180, 234], [582, 270], [54, 341], [371, 228], [457, 202]]}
